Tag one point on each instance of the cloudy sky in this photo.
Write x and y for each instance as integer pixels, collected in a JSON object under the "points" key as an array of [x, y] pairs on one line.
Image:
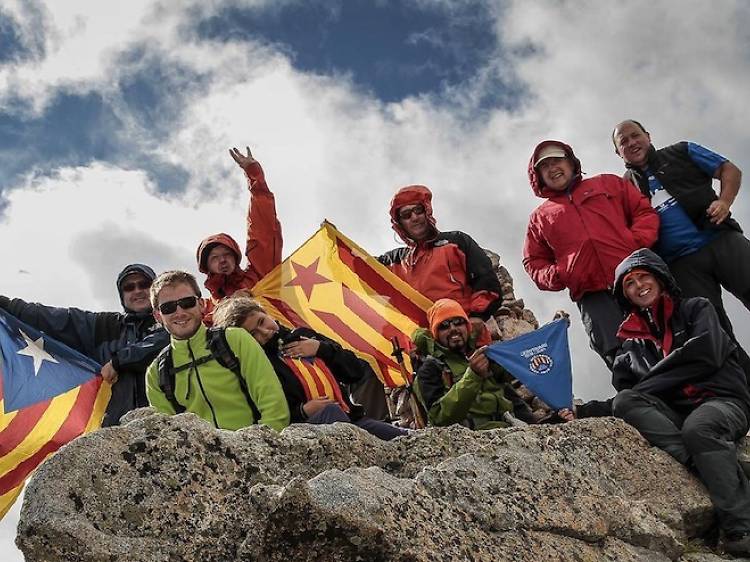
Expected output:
{"points": [[116, 117]]}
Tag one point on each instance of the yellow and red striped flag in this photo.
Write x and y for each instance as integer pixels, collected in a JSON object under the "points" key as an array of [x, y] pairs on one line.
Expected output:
{"points": [[49, 395], [334, 287]]}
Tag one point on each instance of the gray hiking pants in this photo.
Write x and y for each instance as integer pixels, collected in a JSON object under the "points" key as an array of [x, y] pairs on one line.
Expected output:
{"points": [[601, 317], [705, 439], [724, 262]]}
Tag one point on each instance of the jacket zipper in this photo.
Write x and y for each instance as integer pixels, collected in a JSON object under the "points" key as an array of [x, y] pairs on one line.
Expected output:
{"points": [[593, 247], [200, 384]]}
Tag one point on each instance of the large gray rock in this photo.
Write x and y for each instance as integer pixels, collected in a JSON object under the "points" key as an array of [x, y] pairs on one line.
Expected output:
{"points": [[172, 488]]}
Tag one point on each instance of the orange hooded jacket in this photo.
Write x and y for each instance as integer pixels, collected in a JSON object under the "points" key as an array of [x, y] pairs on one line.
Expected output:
{"points": [[446, 265], [263, 246]]}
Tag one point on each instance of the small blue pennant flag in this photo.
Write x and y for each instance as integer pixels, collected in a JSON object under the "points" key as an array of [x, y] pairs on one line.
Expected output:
{"points": [[541, 361]]}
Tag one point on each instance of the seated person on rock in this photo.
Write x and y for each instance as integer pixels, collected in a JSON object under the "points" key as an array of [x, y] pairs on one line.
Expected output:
{"points": [[304, 361], [221, 375], [219, 255], [456, 381], [124, 343], [680, 384]]}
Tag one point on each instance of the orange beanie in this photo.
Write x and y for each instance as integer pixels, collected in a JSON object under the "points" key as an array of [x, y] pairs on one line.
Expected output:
{"points": [[443, 309]]}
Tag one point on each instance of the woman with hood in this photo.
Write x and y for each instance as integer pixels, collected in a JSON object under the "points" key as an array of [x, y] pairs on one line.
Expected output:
{"points": [[576, 238], [313, 369], [680, 384], [219, 255]]}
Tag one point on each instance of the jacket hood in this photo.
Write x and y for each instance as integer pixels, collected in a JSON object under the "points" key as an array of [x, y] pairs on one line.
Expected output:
{"points": [[201, 255], [535, 180], [411, 195], [648, 260], [130, 269]]}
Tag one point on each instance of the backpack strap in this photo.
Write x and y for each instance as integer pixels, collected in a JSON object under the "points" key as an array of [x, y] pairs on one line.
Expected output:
{"points": [[165, 367], [217, 344]]}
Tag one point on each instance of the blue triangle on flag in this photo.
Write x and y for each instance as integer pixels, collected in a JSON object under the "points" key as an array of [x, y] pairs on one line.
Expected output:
{"points": [[541, 361], [36, 368]]}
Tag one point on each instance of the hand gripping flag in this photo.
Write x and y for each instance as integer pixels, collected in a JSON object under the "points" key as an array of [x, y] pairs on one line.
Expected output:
{"points": [[540, 360], [334, 287], [49, 394]]}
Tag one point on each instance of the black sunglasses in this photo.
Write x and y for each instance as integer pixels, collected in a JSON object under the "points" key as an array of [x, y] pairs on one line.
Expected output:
{"points": [[445, 324], [406, 214], [185, 303], [133, 285]]}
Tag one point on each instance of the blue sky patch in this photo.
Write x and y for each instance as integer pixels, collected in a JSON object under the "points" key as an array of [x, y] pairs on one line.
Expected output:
{"points": [[394, 49]]}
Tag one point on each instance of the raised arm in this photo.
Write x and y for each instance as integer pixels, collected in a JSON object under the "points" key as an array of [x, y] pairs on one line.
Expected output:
{"points": [[264, 240], [74, 327]]}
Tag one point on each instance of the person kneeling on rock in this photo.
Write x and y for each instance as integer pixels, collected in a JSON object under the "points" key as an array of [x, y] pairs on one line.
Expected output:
{"points": [[306, 361], [680, 384]]}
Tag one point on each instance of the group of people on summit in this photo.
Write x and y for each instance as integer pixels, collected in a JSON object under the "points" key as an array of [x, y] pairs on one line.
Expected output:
{"points": [[644, 257]]}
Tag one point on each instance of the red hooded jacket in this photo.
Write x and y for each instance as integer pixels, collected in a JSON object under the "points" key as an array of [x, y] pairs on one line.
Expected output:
{"points": [[263, 247], [577, 237], [446, 265]]}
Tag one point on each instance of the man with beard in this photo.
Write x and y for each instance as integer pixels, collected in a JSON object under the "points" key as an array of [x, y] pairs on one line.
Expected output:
{"points": [[456, 381]]}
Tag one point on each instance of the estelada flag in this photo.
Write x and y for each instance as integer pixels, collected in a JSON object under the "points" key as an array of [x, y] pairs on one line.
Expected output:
{"points": [[49, 394], [540, 360], [331, 285]]}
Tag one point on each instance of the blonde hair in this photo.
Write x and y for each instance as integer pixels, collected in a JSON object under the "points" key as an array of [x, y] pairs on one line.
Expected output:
{"points": [[233, 312], [169, 279]]}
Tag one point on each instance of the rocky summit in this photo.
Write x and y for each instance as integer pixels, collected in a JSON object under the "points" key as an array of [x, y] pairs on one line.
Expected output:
{"points": [[162, 488]]}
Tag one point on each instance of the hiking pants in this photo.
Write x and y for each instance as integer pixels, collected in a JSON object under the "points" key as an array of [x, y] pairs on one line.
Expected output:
{"points": [[705, 439], [601, 317], [724, 262], [333, 413]]}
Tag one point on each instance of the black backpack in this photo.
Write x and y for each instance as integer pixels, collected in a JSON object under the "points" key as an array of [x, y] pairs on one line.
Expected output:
{"points": [[217, 344]]}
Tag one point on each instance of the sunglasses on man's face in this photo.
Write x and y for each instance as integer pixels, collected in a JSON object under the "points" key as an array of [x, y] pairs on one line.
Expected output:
{"points": [[405, 214], [445, 324], [185, 303], [133, 285]]}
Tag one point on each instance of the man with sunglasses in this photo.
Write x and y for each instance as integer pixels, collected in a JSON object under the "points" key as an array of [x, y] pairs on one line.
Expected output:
{"points": [[202, 385], [440, 264], [455, 380], [124, 343]]}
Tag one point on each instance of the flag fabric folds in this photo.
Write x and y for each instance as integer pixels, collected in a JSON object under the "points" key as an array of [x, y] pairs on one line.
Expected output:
{"points": [[49, 394], [540, 360], [334, 287]]}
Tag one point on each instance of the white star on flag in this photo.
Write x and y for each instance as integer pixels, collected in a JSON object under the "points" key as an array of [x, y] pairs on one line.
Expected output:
{"points": [[35, 350]]}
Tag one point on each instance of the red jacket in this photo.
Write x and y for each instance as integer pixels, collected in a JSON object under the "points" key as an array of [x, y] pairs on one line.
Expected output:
{"points": [[447, 265], [577, 237], [263, 247]]}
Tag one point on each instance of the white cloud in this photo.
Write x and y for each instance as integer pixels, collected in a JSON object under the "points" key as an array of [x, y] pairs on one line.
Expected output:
{"points": [[332, 151]]}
